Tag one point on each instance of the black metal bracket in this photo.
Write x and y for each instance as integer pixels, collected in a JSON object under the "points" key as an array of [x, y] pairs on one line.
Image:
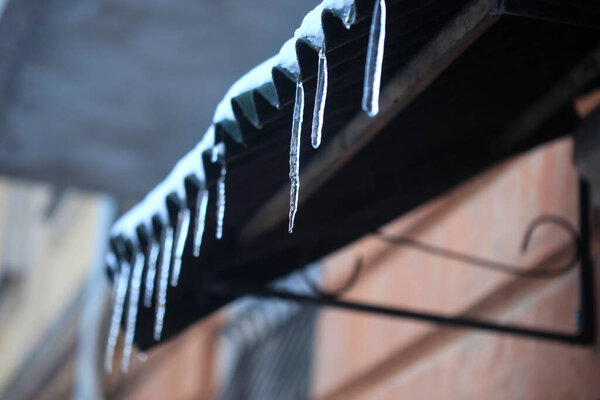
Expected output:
{"points": [[585, 334]]}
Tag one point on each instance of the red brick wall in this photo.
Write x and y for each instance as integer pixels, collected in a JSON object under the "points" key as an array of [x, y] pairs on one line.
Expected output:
{"points": [[369, 357], [359, 356], [180, 369]]}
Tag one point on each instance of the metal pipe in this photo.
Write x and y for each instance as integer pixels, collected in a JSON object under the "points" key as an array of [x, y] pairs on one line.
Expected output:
{"points": [[587, 302], [236, 289]]}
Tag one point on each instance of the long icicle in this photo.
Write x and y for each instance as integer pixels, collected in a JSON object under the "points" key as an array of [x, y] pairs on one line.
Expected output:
{"points": [[221, 195], [218, 155], [153, 252], [295, 153], [132, 310], [181, 234], [351, 17], [200, 220], [320, 99], [111, 261], [122, 281], [372, 83], [161, 298]]}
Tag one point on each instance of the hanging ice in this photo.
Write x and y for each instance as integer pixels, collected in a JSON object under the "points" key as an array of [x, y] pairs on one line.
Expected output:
{"points": [[150, 273], [351, 17], [370, 100], [320, 98], [161, 298], [295, 153], [181, 233], [201, 205], [111, 261], [220, 156], [121, 282], [132, 310]]}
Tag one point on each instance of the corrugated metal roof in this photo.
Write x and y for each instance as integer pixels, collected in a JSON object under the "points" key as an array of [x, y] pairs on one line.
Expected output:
{"points": [[488, 101]]}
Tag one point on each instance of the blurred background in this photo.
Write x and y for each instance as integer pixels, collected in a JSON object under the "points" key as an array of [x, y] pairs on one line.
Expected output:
{"points": [[99, 99]]}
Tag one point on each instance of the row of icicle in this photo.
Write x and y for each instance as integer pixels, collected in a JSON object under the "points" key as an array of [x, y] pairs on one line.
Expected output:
{"points": [[370, 100], [173, 238], [164, 259]]}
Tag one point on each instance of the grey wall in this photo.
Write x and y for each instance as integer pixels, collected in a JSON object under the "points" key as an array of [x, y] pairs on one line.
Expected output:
{"points": [[108, 94]]}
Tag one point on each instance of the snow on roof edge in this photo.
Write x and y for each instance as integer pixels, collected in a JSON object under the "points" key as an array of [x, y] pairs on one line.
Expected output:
{"points": [[310, 30], [154, 203]]}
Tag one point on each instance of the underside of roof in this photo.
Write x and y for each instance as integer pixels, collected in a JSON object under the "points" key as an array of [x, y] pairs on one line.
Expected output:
{"points": [[465, 85]]}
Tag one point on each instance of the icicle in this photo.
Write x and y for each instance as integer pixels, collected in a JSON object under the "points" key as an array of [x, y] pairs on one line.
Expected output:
{"points": [[370, 100], [161, 298], [221, 201], [111, 261], [320, 98], [183, 226], [351, 17], [201, 205], [219, 155], [295, 153], [132, 310], [121, 282], [150, 273]]}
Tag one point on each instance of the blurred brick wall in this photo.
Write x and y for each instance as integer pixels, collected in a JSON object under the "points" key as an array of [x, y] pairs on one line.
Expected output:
{"points": [[180, 369], [360, 356], [369, 357], [49, 240]]}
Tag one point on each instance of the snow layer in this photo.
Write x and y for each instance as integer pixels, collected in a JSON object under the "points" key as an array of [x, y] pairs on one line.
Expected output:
{"points": [[310, 31], [155, 202]]}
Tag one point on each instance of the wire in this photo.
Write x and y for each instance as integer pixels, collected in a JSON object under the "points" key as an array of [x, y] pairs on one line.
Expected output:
{"points": [[521, 271]]}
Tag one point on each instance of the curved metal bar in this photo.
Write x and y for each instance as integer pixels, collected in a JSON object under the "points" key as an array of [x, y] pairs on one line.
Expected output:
{"points": [[337, 292], [521, 271]]}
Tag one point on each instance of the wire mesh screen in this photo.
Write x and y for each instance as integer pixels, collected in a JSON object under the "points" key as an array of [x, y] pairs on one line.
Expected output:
{"points": [[278, 365], [270, 344]]}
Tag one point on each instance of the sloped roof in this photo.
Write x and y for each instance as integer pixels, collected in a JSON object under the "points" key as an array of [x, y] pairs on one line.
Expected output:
{"points": [[473, 85]]}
